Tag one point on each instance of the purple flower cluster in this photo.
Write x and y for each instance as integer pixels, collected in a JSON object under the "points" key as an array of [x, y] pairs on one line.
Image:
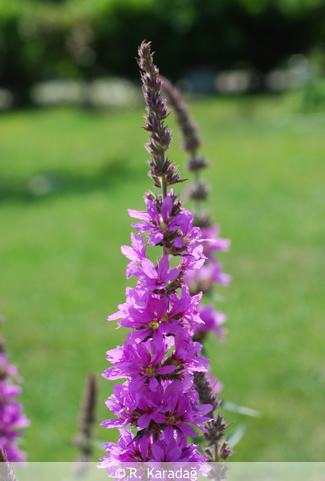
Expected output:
{"points": [[158, 358], [12, 418]]}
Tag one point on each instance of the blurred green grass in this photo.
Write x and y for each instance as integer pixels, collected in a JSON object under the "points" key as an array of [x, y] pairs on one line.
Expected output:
{"points": [[67, 178]]}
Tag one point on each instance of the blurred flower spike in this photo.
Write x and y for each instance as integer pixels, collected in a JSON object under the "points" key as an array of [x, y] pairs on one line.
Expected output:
{"points": [[12, 418]]}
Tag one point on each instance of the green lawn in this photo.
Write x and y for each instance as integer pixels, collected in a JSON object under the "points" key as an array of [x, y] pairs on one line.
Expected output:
{"points": [[62, 272]]}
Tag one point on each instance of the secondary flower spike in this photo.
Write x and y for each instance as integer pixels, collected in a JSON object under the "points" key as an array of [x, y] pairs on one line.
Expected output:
{"points": [[204, 279], [191, 140], [158, 360]]}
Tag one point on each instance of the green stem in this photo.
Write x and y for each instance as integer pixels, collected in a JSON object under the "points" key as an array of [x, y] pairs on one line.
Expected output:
{"points": [[216, 453], [197, 202], [164, 187]]}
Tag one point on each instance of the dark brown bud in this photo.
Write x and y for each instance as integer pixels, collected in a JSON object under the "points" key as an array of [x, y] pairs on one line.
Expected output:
{"points": [[160, 138], [197, 191], [202, 219], [196, 163]]}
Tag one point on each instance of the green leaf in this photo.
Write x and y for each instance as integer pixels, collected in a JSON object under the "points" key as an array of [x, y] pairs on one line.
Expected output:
{"points": [[237, 435], [230, 406]]}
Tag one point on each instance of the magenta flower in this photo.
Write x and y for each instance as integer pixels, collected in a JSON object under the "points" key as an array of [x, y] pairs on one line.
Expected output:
{"points": [[125, 451], [150, 320], [134, 300], [216, 243], [185, 308], [204, 279], [187, 356], [180, 413], [212, 321], [153, 315], [188, 232], [157, 277], [175, 451], [157, 223], [216, 385], [136, 253], [141, 362]]}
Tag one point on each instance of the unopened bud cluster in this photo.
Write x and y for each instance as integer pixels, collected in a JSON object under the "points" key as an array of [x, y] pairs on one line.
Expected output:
{"points": [[161, 169], [217, 447], [198, 191]]}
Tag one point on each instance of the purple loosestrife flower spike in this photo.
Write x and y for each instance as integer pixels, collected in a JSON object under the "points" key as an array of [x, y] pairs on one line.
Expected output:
{"points": [[12, 418], [158, 360]]}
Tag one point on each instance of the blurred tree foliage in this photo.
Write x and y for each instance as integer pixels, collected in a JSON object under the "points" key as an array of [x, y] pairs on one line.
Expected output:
{"points": [[42, 39]]}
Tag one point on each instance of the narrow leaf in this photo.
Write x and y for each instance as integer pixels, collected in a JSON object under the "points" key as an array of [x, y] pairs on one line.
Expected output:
{"points": [[230, 406], [237, 435], [139, 435]]}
